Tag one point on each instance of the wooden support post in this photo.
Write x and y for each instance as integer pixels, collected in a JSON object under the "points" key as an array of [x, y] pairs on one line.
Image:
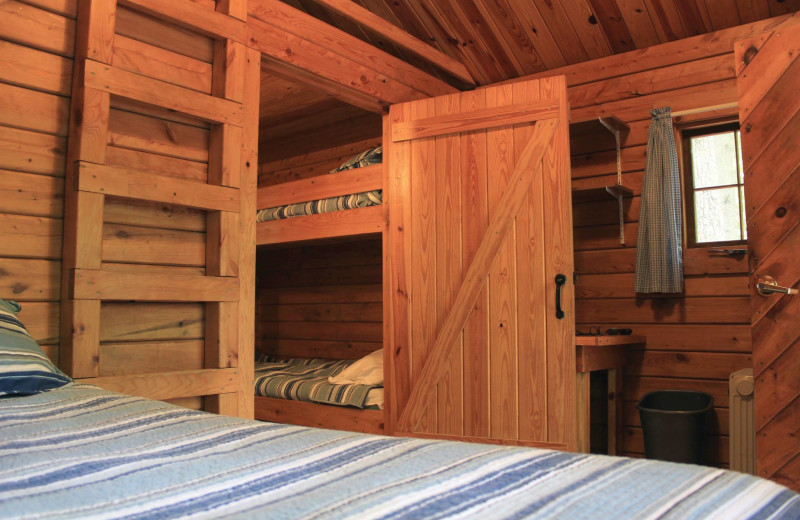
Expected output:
{"points": [[583, 409], [235, 8], [247, 231], [83, 224], [95, 33], [227, 77], [224, 155]]}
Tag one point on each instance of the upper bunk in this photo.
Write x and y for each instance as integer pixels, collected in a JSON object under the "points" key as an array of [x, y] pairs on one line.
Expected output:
{"points": [[320, 175], [344, 222]]}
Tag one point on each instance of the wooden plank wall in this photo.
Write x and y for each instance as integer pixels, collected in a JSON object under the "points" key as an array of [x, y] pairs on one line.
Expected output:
{"points": [[36, 78], [303, 166], [36, 48], [695, 340], [322, 300]]}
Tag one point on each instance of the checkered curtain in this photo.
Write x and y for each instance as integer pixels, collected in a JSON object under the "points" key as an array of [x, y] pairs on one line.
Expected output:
{"points": [[659, 260]]}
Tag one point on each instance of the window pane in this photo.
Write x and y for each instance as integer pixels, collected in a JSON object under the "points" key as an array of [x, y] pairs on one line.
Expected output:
{"points": [[714, 160], [717, 215], [741, 162], [744, 217]]}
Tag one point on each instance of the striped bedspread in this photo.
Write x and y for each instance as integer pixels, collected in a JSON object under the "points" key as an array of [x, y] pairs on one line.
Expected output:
{"points": [[307, 380], [329, 205], [82, 452]]}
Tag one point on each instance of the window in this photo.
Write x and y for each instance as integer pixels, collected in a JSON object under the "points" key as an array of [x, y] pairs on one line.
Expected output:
{"points": [[714, 177]]}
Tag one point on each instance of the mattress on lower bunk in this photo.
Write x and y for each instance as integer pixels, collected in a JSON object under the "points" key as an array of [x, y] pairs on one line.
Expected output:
{"points": [[329, 205], [307, 380], [82, 452]]}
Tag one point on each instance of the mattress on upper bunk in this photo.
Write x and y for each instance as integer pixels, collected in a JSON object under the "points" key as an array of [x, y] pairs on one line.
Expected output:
{"points": [[82, 452], [308, 380], [329, 205]]}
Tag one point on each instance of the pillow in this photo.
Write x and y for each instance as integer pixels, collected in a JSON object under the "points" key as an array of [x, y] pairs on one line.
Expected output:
{"points": [[24, 368], [366, 371], [368, 158]]}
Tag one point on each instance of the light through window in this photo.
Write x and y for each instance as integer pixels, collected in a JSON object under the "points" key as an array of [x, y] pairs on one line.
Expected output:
{"points": [[715, 178]]}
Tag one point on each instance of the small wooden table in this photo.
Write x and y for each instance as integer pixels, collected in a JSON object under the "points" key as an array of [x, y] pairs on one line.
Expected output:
{"points": [[601, 353]]}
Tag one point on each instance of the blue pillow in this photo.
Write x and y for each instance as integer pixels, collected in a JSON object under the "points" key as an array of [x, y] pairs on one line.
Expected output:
{"points": [[24, 368]]}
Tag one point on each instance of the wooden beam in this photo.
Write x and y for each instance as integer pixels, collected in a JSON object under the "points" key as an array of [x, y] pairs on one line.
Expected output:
{"points": [[132, 184], [186, 13], [170, 385], [305, 37], [528, 166], [352, 11], [346, 182], [474, 120], [248, 174], [347, 223], [128, 85], [95, 35], [95, 284]]}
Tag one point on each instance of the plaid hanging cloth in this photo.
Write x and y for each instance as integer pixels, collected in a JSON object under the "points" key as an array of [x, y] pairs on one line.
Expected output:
{"points": [[659, 260]]}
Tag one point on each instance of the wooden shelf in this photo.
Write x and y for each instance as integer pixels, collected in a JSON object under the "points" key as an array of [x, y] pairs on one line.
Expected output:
{"points": [[618, 129], [601, 192], [610, 340]]}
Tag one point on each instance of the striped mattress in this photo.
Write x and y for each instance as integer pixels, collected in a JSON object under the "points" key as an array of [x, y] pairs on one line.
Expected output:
{"points": [[82, 452], [307, 380], [357, 200]]}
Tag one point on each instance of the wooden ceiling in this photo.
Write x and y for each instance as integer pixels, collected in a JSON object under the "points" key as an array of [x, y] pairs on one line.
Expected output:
{"points": [[296, 118], [504, 39]]}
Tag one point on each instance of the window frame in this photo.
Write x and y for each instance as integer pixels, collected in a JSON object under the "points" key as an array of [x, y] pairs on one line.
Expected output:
{"points": [[690, 224]]}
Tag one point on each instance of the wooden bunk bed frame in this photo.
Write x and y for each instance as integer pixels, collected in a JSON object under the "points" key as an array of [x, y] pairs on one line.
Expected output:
{"points": [[337, 225], [244, 36]]}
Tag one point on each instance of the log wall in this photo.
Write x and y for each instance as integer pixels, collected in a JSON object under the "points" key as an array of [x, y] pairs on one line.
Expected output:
{"points": [[36, 49], [37, 41], [322, 301], [697, 339]]}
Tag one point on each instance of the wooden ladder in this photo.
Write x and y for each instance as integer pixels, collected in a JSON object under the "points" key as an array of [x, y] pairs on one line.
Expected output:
{"points": [[228, 197]]}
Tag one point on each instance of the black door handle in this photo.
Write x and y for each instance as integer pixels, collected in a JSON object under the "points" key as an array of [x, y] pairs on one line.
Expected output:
{"points": [[561, 279]]}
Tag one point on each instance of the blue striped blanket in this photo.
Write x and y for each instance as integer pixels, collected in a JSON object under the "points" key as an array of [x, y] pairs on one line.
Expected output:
{"points": [[307, 380], [82, 452]]}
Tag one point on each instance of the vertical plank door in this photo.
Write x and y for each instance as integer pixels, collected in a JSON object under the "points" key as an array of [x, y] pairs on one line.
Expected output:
{"points": [[768, 78], [480, 227]]}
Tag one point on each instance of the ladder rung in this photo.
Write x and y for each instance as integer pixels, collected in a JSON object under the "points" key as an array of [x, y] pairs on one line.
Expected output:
{"points": [[171, 385], [96, 284], [159, 93], [130, 184]]}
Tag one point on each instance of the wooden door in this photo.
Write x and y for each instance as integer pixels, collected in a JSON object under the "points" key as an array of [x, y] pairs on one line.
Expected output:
{"points": [[768, 77], [480, 226]]}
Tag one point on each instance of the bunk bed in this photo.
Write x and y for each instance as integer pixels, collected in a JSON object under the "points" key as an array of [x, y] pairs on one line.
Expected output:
{"points": [[342, 205]]}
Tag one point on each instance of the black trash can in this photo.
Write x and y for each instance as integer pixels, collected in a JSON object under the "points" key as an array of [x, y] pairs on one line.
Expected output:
{"points": [[674, 424]]}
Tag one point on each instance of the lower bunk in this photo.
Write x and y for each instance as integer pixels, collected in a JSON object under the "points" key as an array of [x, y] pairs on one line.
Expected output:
{"points": [[331, 394]]}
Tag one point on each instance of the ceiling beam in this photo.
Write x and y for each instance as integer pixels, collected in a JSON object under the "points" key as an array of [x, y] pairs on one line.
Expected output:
{"points": [[399, 37]]}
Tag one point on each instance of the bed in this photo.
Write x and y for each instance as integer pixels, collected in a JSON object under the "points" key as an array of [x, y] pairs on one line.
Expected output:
{"points": [[344, 203], [82, 452], [72, 450], [299, 391]]}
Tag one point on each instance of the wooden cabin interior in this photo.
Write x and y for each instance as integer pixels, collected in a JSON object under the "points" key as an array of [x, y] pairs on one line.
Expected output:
{"points": [[140, 139]]}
